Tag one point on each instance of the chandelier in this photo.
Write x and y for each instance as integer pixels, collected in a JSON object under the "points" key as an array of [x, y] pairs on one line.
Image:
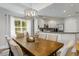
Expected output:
{"points": [[30, 13]]}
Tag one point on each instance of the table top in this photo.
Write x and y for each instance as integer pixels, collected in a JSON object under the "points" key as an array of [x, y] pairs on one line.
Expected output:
{"points": [[77, 48], [77, 45], [40, 47]]}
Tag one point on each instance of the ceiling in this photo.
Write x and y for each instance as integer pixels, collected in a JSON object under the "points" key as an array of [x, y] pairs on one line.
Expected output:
{"points": [[61, 10], [20, 7], [36, 6], [45, 9]]}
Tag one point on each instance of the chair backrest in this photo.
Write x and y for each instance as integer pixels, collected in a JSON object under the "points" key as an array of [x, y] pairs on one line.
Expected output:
{"points": [[43, 36], [3, 43], [67, 48], [4, 47], [52, 37], [20, 35], [15, 48], [27, 35]]}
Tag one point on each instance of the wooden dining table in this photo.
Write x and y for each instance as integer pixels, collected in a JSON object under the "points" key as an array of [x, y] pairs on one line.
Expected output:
{"points": [[40, 47], [77, 48]]}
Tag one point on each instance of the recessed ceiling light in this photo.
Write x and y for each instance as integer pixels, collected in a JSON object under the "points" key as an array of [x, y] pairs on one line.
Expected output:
{"points": [[72, 5], [64, 11], [69, 15]]}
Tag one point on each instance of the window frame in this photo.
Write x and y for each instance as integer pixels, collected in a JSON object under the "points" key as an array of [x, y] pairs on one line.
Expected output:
{"points": [[21, 25]]}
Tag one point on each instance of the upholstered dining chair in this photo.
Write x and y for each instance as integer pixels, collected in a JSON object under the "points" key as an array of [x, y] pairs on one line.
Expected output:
{"points": [[15, 48], [52, 37], [4, 52], [4, 49], [20, 35], [10, 51], [42, 35], [67, 49]]}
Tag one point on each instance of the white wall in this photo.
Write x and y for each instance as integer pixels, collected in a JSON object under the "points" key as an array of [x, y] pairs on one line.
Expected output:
{"points": [[77, 23], [4, 30], [36, 25], [4, 24], [12, 27], [29, 27], [70, 25], [77, 35]]}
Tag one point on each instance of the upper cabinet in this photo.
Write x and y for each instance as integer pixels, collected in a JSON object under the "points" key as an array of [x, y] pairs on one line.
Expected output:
{"points": [[51, 24]]}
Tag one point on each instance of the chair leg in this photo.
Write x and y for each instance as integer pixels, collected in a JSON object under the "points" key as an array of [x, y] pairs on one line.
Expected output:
{"points": [[11, 53], [55, 54]]}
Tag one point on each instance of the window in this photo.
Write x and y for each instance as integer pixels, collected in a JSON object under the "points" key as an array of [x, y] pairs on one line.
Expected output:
{"points": [[20, 25]]}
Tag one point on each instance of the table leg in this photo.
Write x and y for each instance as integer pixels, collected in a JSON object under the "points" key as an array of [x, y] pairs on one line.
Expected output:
{"points": [[55, 54]]}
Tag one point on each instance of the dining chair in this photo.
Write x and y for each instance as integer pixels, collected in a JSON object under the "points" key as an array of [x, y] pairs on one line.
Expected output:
{"points": [[70, 51], [27, 35], [15, 48], [36, 35], [10, 51], [4, 49], [52, 37], [4, 52], [20, 35], [42, 35], [67, 49]]}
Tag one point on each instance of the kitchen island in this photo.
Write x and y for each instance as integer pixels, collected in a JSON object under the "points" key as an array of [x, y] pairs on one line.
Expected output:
{"points": [[63, 37]]}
